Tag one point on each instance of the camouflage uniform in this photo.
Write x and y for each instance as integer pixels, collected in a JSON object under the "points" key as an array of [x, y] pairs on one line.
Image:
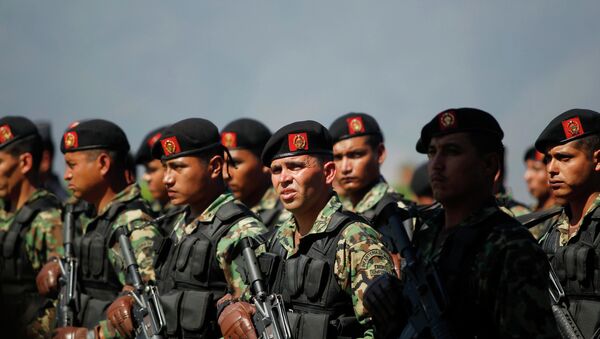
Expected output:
{"points": [[170, 211], [39, 240], [373, 197], [494, 274], [270, 209], [511, 206], [575, 258], [358, 257], [207, 243]]}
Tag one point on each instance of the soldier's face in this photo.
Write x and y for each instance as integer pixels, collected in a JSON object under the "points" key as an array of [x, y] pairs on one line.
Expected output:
{"points": [[248, 178], [457, 171], [302, 182], [571, 172], [536, 178], [83, 174], [10, 174], [154, 178], [186, 180], [356, 163]]}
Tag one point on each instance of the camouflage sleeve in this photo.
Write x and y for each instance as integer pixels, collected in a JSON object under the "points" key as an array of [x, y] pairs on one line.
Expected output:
{"points": [[518, 289], [360, 258], [247, 227], [142, 239], [44, 238]]}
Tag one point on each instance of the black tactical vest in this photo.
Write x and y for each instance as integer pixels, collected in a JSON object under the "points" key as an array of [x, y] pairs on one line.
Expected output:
{"points": [[97, 276], [17, 274], [190, 280], [270, 216], [308, 284], [379, 215]]}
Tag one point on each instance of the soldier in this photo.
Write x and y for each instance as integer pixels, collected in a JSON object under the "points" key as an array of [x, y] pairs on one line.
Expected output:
{"points": [[195, 265], [358, 153], [571, 143], [250, 180], [95, 153], [30, 230], [494, 274], [153, 175], [536, 178], [49, 179], [328, 255]]}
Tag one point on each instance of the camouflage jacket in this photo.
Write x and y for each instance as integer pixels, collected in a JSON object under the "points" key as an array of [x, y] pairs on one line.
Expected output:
{"points": [[561, 223], [270, 201], [246, 227], [495, 275], [510, 206], [44, 238], [142, 237], [360, 256], [375, 194]]}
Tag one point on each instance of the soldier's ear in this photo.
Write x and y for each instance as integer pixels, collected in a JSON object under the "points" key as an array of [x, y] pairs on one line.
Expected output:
{"points": [[215, 166], [329, 171], [104, 161], [596, 160], [25, 163], [381, 153], [492, 165]]}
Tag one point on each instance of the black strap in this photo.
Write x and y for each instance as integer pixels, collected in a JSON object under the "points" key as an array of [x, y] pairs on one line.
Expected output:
{"points": [[532, 219]]}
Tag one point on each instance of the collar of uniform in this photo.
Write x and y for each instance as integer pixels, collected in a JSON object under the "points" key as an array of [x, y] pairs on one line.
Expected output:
{"points": [[373, 196], [289, 227], [267, 202], [209, 213], [563, 222], [129, 193]]}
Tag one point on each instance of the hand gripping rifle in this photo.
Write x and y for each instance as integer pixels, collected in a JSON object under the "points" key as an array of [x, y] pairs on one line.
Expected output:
{"points": [[271, 319], [68, 298], [148, 314]]}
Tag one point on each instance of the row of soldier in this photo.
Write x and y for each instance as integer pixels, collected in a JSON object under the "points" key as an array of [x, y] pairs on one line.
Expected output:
{"points": [[331, 254]]}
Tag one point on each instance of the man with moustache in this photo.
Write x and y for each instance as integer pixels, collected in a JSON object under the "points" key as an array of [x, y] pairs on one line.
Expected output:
{"points": [[494, 274], [249, 180], [328, 255], [30, 228], [95, 153], [571, 144], [197, 264]]}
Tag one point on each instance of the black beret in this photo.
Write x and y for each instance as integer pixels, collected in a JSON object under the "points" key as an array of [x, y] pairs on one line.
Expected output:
{"points": [[419, 183], [245, 134], [298, 138], [533, 154], [186, 137], [13, 128], [570, 125], [457, 120], [144, 152], [94, 134], [354, 125]]}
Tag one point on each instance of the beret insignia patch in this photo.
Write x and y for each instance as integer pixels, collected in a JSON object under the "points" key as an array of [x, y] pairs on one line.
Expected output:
{"points": [[297, 141], [229, 139], [73, 124], [355, 125], [71, 140], [539, 156], [572, 127], [5, 133], [154, 139], [170, 146], [447, 120]]}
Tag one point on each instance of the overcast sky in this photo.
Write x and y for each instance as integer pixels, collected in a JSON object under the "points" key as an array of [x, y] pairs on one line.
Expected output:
{"points": [[146, 63]]}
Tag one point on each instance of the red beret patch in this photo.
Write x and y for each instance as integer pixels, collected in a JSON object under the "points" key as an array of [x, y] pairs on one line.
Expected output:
{"points": [[447, 120], [297, 141], [229, 139], [154, 139], [355, 125], [71, 140], [5, 133], [170, 146], [572, 127], [539, 156]]}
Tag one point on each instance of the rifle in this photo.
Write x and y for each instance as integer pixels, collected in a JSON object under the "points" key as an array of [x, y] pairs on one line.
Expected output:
{"points": [[68, 298], [271, 319], [566, 324], [148, 314], [422, 285]]}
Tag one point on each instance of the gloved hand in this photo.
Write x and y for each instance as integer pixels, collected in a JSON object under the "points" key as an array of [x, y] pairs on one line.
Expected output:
{"points": [[386, 305], [236, 321], [47, 279], [120, 316], [72, 333]]}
